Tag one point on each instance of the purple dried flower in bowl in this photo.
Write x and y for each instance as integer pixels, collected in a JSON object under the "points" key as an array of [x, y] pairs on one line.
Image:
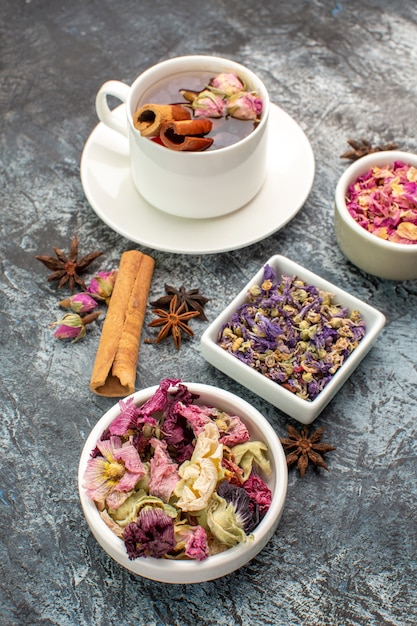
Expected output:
{"points": [[292, 337]]}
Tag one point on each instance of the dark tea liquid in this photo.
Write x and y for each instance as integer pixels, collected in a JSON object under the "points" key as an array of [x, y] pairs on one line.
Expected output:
{"points": [[225, 131]]}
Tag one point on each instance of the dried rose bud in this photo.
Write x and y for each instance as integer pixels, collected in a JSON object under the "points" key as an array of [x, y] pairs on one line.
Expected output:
{"points": [[244, 106], [227, 84], [101, 286], [79, 303], [73, 326], [207, 104]]}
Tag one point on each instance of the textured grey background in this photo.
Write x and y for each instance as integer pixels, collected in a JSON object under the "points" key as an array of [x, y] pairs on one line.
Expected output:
{"points": [[345, 551]]}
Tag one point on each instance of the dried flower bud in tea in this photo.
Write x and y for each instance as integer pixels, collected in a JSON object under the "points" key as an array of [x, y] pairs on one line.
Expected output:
{"points": [[233, 108], [208, 104], [244, 106], [226, 84]]}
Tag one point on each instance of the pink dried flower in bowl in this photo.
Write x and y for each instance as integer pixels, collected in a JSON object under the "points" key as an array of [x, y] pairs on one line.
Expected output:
{"points": [[384, 202], [185, 533], [163, 471], [376, 214], [111, 476]]}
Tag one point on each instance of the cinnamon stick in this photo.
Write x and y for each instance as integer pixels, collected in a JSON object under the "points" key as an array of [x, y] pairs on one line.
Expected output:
{"points": [[187, 135], [114, 371], [150, 117]]}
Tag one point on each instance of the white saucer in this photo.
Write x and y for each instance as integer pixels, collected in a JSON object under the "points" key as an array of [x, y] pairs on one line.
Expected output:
{"points": [[107, 184]]}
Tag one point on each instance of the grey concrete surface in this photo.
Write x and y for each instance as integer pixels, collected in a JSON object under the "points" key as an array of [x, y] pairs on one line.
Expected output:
{"points": [[346, 548]]}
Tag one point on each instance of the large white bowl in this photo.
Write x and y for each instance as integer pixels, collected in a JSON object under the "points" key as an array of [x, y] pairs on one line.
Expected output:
{"points": [[385, 259], [302, 410], [191, 571]]}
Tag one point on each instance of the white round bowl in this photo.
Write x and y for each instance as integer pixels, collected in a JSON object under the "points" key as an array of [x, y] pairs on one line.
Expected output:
{"points": [[191, 571], [385, 259]]}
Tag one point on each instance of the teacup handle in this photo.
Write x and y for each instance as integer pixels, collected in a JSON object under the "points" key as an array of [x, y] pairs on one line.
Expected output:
{"points": [[105, 114]]}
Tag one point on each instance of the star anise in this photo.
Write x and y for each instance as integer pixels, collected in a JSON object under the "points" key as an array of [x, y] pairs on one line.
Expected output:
{"points": [[173, 322], [67, 269], [363, 147], [303, 448], [192, 299]]}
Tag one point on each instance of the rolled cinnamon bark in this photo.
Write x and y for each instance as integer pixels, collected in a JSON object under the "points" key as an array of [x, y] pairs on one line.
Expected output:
{"points": [[187, 135], [114, 371], [150, 117]]}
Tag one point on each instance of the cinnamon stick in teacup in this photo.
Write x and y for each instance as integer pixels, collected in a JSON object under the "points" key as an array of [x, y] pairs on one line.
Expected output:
{"points": [[114, 371], [150, 117], [187, 135]]}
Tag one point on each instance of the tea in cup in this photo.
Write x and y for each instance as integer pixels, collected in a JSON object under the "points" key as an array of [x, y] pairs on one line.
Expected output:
{"points": [[197, 131]]}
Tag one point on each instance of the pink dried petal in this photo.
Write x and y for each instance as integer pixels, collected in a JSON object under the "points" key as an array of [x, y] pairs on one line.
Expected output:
{"points": [[197, 416], [407, 230], [163, 471], [384, 199]]}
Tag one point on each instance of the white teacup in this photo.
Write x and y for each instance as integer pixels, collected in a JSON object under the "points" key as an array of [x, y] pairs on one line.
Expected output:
{"points": [[190, 184]]}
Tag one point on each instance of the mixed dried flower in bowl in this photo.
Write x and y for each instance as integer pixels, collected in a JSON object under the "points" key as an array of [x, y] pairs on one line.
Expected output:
{"points": [[183, 482], [292, 337], [376, 214]]}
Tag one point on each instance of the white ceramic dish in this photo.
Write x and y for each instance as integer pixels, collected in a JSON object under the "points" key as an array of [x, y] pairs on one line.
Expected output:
{"points": [[302, 410], [385, 259], [184, 571], [108, 186]]}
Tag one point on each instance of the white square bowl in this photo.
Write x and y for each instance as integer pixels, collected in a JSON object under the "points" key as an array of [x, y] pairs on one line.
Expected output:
{"points": [[304, 411]]}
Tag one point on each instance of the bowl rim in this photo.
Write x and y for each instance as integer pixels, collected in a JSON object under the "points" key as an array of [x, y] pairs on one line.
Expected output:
{"points": [[353, 171], [190, 571]]}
